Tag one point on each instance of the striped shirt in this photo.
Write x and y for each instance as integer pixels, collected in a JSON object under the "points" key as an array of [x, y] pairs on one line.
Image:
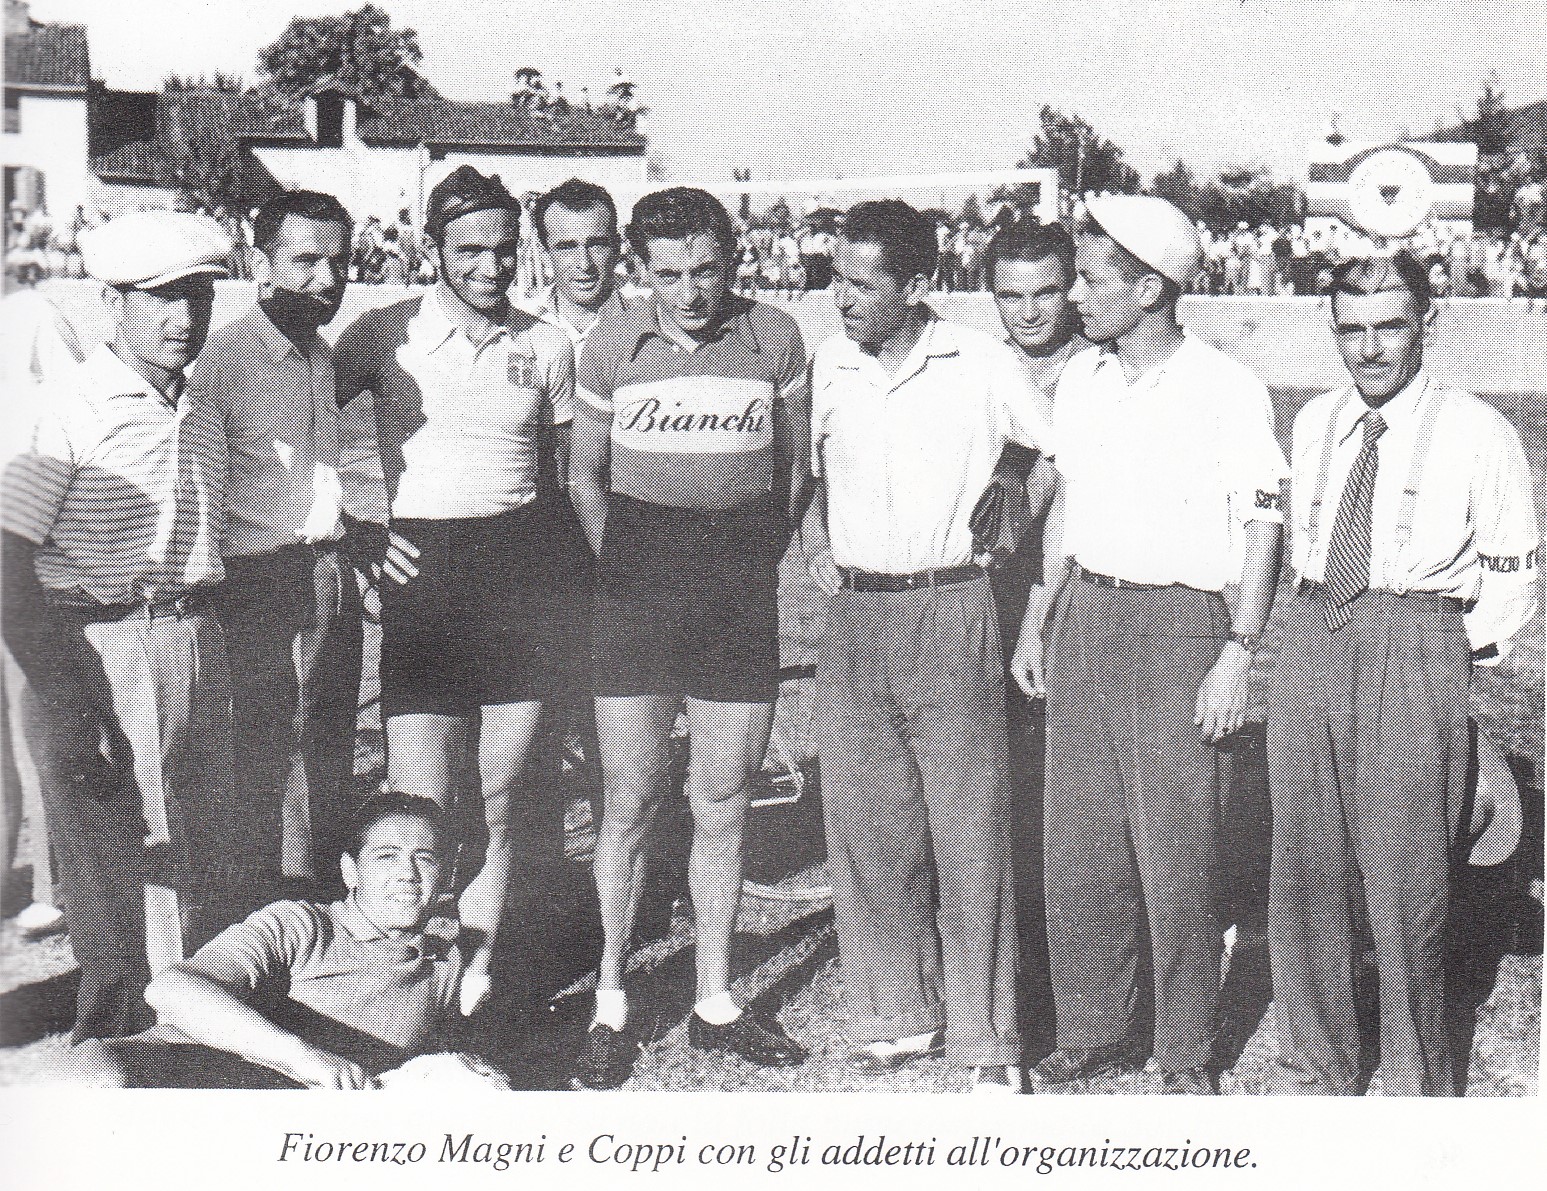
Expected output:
{"points": [[692, 429], [280, 412], [121, 491], [459, 426]]}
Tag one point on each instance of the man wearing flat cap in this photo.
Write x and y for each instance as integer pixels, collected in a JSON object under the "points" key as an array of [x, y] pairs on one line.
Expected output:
{"points": [[1171, 493], [112, 529]]}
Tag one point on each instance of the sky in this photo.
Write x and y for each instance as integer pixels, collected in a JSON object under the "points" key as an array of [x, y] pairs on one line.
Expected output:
{"points": [[791, 88]]}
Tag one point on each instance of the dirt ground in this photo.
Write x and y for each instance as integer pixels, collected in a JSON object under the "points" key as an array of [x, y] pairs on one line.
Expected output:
{"points": [[786, 952]]}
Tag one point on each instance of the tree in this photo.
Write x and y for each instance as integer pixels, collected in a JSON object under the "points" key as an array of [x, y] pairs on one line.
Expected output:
{"points": [[208, 169], [1084, 159], [1489, 125], [1176, 185], [1246, 194], [219, 81], [359, 50]]}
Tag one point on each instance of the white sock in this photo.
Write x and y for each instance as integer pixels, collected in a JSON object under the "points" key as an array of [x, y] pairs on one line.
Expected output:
{"points": [[611, 1008], [718, 1010], [918, 1042]]}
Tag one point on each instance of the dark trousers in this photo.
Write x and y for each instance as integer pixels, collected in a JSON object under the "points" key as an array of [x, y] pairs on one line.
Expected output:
{"points": [[911, 736], [293, 628], [133, 725], [1368, 746], [1132, 812]]}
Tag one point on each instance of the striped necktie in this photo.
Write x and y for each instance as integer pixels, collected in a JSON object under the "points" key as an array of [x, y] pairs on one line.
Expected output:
{"points": [[1347, 571]]}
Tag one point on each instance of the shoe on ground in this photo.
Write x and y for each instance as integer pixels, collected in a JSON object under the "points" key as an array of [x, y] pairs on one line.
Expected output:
{"points": [[1200, 1081], [996, 1081], [878, 1058], [760, 1041], [606, 1061], [39, 920], [1065, 1065]]}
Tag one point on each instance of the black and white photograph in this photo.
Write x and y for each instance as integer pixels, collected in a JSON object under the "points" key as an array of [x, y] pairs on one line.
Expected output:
{"points": [[936, 548]]}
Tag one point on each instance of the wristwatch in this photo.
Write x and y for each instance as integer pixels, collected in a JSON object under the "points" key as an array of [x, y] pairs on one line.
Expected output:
{"points": [[1251, 642]]}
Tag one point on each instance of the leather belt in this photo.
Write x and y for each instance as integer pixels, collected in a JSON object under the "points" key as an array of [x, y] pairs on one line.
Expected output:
{"points": [[872, 581], [187, 604], [1117, 584], [1434, 599]]}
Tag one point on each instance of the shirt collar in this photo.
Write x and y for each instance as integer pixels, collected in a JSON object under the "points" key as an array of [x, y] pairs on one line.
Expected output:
{"points": [[937, 341], [543, 306], [1155, 373], [434, 326], [1056, 358], [106, 375], [439, 927], [1400, 410], [734, 322], [275, 341]]}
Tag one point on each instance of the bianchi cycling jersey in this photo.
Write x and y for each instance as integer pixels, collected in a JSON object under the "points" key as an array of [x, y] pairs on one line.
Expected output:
{"points": [[692, 429]]}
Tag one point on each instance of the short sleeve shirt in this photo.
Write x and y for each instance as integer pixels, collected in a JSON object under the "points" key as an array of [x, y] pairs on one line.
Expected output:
{"points": [[280, 412], [1161, 475], [330, 976], [122, 490], [692, 428], [459, 425]]}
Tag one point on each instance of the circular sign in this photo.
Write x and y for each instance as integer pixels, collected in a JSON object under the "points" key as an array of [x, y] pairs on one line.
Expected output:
{"points": [[1390, 193]]}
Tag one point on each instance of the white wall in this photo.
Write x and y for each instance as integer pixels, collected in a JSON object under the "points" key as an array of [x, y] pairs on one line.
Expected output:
{"points": [[378, 181], [53, 141]]}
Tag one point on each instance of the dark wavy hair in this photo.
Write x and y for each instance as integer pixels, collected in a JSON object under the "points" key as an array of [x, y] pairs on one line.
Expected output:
{"points": [[905, 236], [679, 214], [303, 204], [1028, 240], [392, 802], [575, 195]]}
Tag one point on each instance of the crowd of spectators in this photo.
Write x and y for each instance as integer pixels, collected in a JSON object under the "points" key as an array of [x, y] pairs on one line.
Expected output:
{"points": [[1299, 259], [788, 257]]}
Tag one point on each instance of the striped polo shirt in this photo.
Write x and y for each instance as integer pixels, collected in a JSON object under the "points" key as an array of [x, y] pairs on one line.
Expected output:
{"points": [[692, 429], [121, 491]]}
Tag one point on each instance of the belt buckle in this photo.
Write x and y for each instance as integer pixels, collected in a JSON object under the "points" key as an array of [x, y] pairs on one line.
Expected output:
{"points": [[916, 580]]}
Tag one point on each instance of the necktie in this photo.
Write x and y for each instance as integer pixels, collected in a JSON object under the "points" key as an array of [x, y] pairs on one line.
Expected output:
{"points": [[1347, 570]]}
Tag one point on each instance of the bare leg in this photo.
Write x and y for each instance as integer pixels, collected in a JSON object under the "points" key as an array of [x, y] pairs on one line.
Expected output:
{"points": [[634, 734], [729, 742], [504, 750]]}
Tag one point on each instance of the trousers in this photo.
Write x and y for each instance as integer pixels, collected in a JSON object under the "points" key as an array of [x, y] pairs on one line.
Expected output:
{"points": [[294, 633], [911, 737], [21, 792], [1132, 813], [1368, 747], [134, 756]]}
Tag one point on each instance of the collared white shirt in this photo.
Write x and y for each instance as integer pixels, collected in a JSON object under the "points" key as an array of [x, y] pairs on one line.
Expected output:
{"points": [[279, 406], [543, 305], [458, 424], [121, 490], [1045, 370], [1161, 475], [1474, 536], [906, 457]]}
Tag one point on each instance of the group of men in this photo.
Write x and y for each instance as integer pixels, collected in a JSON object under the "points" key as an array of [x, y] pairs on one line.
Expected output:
{"points": [[583, 506]]}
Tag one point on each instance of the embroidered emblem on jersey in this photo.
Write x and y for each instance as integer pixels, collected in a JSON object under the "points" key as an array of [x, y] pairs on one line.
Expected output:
{"points": [[694, 415], [522, 371]]}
